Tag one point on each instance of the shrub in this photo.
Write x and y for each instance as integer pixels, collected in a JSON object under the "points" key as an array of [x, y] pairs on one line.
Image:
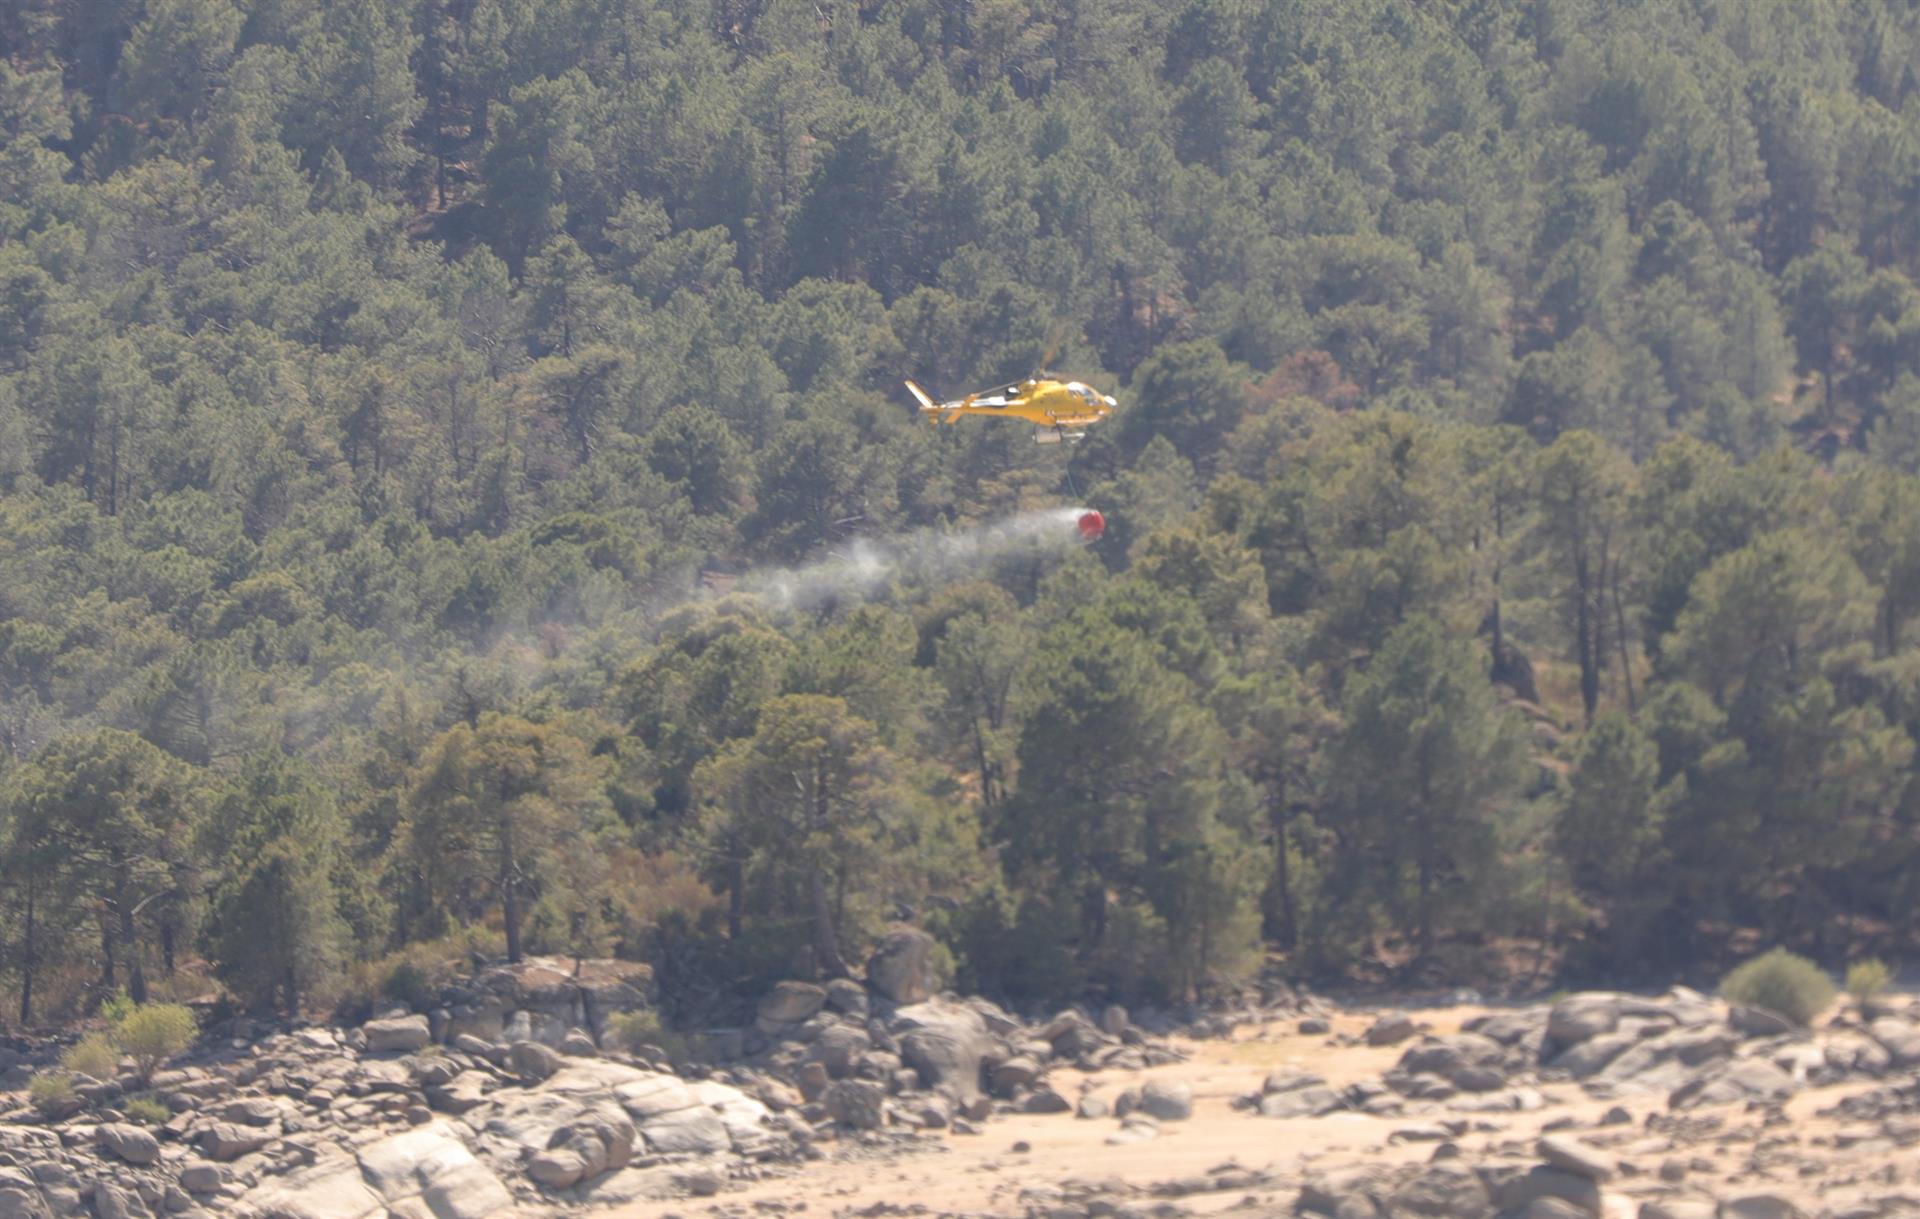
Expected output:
{"points": [[94, 1055], [1781, 982], [632, 1030], [1866, 979], [117, 1008], [147, 1111], [51, 1090], [154, 1033], [408, 983]]}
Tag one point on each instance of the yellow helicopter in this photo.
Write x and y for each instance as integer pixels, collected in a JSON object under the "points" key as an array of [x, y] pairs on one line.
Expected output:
{"points": [[1059, 410]]}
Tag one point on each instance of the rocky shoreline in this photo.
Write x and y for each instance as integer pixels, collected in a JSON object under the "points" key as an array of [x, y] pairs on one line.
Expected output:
{"points": [[507, 1098]]}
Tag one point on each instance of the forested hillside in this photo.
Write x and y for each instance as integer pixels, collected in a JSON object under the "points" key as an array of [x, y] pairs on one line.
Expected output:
{"points": [[1515, 535]]}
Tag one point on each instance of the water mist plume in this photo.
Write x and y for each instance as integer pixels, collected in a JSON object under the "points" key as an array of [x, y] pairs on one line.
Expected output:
{"points": [[930, 555]]}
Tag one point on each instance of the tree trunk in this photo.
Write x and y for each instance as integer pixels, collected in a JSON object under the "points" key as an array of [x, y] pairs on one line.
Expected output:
{"points": [[826, 945], [129, 941], [1620, 641], [1583, 628], [510, 905], [736, 887], [109, 976], [1286, 924], [29, 957], [166, 946]]}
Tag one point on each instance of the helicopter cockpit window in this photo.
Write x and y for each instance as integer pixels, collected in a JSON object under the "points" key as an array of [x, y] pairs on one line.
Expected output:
{"points": [[1082, 392]]}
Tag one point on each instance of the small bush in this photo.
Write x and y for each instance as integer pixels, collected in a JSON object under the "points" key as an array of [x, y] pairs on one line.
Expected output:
{"points": [[117, 1008], [154, 1033], [51, 1090], [632, 1030], [147, 1111], [1866, 979], [1781, 982], [408, 983], [94, 1055]]}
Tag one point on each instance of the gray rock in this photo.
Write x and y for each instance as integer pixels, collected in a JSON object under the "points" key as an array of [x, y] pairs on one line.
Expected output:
{"points": [[1760, 1206], [1679, 1208], [703, 1182], [698, 1129], [224, 1141], [397, 1035], [1517, 1193], [1167, 1100], [792, 1002], [531, 1060], [1315, 1100], [1012, 1075], [1290, 1079], [856, 1103], [902, 966], [1092, 1107], [431, 1164], [1113, 1021], [1592, 1054], [578, 1044], [839, 1047], [847, 997], [557, 1169], [1333, 1191], [201, 1177], [22, 1202], [1758, 1021], [944, 1043], [1466, 1060], [111, 1202], [1045, 1100], [1314, 1026], [1443, 1189], [1900, 1037], [467, 1043], [1392, 1029], [252, 1111], [1742, 1080], [934, 1112], [1555, 1208], [1578, 1158], [1579, 1017], [129, 1143]]}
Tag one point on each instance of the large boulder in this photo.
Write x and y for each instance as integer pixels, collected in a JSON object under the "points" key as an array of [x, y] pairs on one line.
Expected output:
{"points": [[1392, 1029], [945, 1044], [532, 1060], [129, 1143], [1169, 1100], [225, 1141], [792, 1002], [333, 1188], [672, 1117], [1572, 1155], [902, 967], [600, 1140], [1579, 1017], [1469, 1061], [1746, 1079], [431, 1164], [397, 1035], [1900, 1037], [856, 1103], [1440, 1191]]}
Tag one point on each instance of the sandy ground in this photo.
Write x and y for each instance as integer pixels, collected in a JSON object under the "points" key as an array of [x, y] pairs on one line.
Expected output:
{"points": [[984, 1174]]}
